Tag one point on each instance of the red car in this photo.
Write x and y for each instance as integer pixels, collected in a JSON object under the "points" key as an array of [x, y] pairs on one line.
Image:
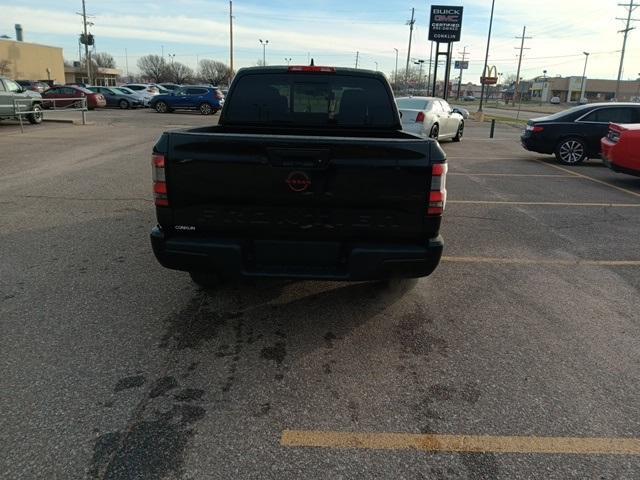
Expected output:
{"points": [[621, 148], [69, 92]]}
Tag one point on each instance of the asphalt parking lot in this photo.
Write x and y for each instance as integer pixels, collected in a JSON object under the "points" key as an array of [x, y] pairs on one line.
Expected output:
{"points": [[519, 358]]}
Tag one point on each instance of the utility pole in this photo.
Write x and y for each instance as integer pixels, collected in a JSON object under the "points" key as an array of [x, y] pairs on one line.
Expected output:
{"points": [[87, 53], [584, 72], [357, 55], [430, 62], [231, 37], [410, 23], [486, 56], [464, 56], [630, 7], [395, 81], [376, 65], [126, 62], [522, 39]]}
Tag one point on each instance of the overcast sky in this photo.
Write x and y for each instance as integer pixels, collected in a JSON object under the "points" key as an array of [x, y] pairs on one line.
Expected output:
{"points": [[331, 32]]}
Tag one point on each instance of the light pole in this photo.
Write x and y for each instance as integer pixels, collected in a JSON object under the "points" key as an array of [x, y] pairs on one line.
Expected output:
{"points": [[419, 62], [486, 57], [584, 72], [288, 60], [376, 65], [171, 56], [395, 81], [264, 51], [544, 84]]}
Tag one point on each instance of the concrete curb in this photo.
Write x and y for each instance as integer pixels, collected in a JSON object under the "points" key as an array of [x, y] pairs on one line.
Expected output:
{"points": [[66, 120]]}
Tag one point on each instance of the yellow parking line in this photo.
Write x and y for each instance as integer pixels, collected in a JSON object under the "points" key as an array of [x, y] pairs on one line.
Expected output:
{"points": [[511, 175], [557, 204], [580, 175], [462, 443], [533, 261]]}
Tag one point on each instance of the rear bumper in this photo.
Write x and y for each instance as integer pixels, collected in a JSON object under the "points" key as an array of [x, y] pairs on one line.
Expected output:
{"points": [[536, 145], [234, 258]]}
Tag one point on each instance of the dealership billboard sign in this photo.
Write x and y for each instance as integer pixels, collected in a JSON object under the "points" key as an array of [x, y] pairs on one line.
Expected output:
{"points": [[461, 64], [445, 23]]}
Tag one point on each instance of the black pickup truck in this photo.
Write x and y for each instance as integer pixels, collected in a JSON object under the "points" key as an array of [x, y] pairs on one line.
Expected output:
{"points": [[307, 175]]}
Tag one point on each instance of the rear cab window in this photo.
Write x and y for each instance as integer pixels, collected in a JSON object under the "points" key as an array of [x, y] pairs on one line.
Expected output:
{"points": [[307, 99]]}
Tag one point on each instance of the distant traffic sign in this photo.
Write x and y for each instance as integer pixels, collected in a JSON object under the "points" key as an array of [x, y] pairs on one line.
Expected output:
{"points": [[461, 64], [445, 23]]}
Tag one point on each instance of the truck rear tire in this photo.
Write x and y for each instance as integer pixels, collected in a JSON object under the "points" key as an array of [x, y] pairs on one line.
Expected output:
{"points": [[206, 280]]}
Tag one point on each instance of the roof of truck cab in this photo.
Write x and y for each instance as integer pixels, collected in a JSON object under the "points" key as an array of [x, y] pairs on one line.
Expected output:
{"points": [[285, 68]]}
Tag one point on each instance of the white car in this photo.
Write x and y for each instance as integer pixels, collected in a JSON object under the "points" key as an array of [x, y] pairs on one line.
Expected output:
{"points": [[138, 95], [146, 90], [430, 117]]}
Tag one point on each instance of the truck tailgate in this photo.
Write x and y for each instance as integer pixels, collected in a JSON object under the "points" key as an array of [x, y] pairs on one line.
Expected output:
{"points": [[300, 187]]}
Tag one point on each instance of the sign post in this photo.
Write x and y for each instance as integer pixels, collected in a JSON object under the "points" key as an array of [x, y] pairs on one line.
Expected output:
{"points": [[445, 25]]}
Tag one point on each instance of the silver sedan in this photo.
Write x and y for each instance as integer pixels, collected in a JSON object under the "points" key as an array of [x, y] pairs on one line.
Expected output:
{"points": [[430, 117]]}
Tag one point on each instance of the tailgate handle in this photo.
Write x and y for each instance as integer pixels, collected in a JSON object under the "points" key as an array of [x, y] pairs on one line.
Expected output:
{"points": [[298, 157]]}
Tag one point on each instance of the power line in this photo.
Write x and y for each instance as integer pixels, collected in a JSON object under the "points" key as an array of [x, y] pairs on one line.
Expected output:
{"points": [[630, 8]]}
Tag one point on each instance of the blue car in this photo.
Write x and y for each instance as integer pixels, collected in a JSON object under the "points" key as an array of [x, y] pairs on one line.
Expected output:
{"points": [[206, 100]]}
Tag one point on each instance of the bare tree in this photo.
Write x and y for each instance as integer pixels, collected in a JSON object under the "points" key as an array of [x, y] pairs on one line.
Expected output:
{"points": [[104, 60], [4, 67], [179, 72], [153, 67], [214, 72]]}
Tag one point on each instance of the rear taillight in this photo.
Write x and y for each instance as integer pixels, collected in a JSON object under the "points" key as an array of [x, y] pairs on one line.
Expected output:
{"points": [[420, 117], [160, 193], [535, 128], [438, 191]]}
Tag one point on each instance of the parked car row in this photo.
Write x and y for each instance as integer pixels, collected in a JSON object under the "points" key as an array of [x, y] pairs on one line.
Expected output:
{"points": [[610, 131]]}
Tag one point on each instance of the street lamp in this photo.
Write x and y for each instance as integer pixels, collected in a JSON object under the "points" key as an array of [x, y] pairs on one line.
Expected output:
{"points": [[288, 60], [544, 84], [376, 65], [264, 51], [582, 84], [172, 56], [419, 62], [395, 81]]}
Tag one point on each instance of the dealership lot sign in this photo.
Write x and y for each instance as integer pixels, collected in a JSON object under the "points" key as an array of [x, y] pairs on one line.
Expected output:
{"points": [[445, 23]]}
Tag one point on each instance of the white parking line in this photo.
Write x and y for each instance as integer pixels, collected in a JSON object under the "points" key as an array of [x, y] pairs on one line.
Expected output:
{"points": [[553, 204], [580, 175], [471, 174]]}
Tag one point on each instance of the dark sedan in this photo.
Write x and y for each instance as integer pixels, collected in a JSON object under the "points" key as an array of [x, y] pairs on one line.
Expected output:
{"points": [[574, 135], [116, 98]]}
